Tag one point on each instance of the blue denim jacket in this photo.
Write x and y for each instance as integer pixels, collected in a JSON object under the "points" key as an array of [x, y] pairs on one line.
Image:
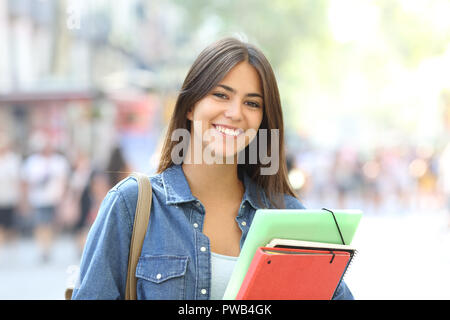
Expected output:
{"points": [[175, 257]]}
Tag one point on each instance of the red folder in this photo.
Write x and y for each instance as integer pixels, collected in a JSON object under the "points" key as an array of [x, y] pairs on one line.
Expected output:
{"points": [[293, 274]]}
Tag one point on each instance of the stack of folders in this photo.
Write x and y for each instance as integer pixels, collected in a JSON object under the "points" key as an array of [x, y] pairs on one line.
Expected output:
{"points": [[295, 270]]}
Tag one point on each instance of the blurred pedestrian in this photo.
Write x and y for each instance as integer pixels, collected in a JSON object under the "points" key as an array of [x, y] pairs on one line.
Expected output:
{"points": [[92, 195], [70, 207], [118, 167], [95, 190], [444, 178], [45, 173], [344, 174], [9, 187]]}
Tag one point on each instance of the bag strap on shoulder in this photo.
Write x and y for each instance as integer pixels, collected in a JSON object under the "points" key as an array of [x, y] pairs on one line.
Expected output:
{"points": [[141, 220]]}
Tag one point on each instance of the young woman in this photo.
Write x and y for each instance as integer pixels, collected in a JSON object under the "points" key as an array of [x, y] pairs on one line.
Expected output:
{"points": [[230, 108]]}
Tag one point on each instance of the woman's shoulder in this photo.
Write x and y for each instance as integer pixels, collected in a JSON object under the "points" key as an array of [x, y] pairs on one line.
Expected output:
{"points": [[128, 187]]}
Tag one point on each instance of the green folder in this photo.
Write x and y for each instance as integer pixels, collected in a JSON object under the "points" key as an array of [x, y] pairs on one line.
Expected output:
{"points": [[302, 224]]}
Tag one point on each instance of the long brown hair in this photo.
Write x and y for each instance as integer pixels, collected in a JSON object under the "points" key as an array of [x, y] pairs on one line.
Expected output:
{"points": [[210, 67]]}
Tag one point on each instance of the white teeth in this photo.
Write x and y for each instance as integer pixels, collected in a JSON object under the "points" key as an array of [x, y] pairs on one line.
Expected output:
{"points": [[228, 131]]}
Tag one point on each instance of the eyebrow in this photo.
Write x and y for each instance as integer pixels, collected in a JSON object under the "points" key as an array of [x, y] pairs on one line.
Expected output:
{"points": [[234, 91]]}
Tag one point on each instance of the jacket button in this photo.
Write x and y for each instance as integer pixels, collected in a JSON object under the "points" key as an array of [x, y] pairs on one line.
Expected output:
{"points": [[158, 276], [195, 225], [202, 249], [203, 291]]}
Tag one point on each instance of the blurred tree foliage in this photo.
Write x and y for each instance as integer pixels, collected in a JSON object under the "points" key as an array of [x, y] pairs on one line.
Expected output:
{"points": [[287, 31], [311, 64], [276, 26], [413, 34]]}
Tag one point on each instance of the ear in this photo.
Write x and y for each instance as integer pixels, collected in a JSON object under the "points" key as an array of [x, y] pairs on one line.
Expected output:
{"points": [[190, 114]]}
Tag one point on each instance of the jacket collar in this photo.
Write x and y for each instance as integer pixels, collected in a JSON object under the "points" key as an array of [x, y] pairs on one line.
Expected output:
{"points": [[177, 188]]}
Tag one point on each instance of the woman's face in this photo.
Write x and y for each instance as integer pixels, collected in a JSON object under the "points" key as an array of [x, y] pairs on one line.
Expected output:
{"points": [[226, 120]]}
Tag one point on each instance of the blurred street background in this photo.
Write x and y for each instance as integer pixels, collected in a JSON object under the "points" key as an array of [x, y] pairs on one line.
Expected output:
{"points": [[87, 88]]}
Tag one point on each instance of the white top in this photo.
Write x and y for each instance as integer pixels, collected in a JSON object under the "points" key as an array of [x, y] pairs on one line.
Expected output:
{"points": [[221, 270], [46, 178], [9, 179]]}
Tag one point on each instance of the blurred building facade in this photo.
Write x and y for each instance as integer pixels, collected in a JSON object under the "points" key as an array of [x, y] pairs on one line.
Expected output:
{"points": [[71, 69]]}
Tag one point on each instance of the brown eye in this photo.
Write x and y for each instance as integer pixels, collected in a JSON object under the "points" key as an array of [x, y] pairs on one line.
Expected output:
{"points": [[253, 104], [220, 95]]}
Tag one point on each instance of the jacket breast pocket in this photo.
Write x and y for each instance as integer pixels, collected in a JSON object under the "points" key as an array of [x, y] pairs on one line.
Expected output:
{"points": [[161, 277]]}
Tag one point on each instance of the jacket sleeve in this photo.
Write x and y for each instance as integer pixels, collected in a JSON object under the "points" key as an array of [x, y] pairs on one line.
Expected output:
{"points": [[104, 262], [343, 292]]}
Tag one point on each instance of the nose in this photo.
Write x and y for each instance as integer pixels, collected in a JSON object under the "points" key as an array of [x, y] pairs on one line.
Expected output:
{"points": [[234, 111]]}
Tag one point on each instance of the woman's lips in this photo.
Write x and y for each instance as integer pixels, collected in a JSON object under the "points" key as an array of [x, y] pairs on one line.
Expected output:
{"points": [[227, 130]]}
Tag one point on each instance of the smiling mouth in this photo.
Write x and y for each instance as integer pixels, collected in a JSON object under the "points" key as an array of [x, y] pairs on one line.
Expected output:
{"points": [[228, 131]]}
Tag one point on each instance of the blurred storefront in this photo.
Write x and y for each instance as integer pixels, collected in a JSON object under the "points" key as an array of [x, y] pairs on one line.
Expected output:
{"points": [[86, 122], [69, 118], [67, 69]]}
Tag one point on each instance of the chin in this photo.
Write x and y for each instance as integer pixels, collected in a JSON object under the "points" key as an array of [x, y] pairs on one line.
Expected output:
{"points": [[224, 154]]}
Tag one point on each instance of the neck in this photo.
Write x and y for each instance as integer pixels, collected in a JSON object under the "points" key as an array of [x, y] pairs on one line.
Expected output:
{"points": [[213, 180]]}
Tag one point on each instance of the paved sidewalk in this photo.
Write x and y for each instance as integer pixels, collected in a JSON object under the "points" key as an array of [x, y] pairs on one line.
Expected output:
{"points": [[402, 257], [24, 276]]}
